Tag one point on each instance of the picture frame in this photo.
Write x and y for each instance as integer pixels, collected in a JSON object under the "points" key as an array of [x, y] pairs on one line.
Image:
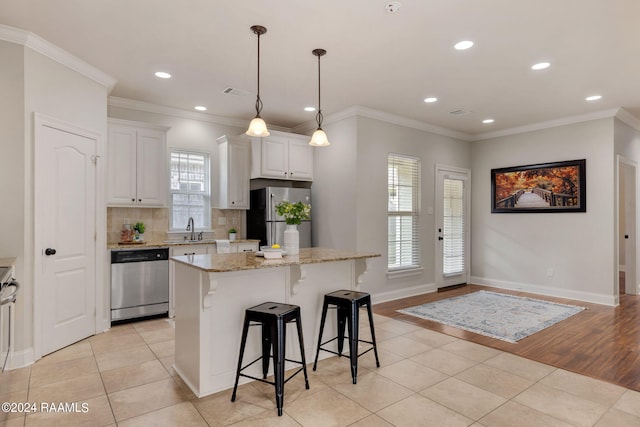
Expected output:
{"points": [[544, 187]]}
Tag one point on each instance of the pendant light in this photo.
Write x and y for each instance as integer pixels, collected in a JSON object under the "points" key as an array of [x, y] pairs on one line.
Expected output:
{"points": [[319, 138], [258, 127]]}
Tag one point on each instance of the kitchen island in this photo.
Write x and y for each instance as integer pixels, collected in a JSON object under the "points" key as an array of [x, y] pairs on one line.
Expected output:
{"points": [[212, 293]]}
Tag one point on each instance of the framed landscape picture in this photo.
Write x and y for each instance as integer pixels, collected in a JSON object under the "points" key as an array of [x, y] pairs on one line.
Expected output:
{"points": [[545, 187]]}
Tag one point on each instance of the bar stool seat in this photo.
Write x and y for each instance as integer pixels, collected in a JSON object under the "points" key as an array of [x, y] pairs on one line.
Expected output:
{"points": [[348, 305], [273, 317]]}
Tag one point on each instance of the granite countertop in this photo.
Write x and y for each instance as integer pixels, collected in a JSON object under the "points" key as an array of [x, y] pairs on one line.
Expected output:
{"points": [[170, 243], [218, 263]]}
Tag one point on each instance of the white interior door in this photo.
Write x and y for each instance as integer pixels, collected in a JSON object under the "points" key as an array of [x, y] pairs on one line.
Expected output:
{"points": [[65, 233], [627, 234], [452, 226]]}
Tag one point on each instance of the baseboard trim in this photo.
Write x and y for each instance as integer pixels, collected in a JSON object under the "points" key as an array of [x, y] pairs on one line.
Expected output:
{"points": [[403, 293], [543, 290], [20, 359]]}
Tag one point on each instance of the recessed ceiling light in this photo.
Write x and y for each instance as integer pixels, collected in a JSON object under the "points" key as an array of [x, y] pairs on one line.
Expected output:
{"points": [[488, 121], [465, 44], [540, 66], [430, 99], [200, 108], [593, 98], [163, 75], [309, 109]]}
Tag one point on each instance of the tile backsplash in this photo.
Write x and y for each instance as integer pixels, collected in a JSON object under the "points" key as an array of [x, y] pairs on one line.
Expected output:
{"points": [[157, 222]]}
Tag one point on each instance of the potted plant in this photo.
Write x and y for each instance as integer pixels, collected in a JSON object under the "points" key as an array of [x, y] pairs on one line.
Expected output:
{"points": [[294, 214], [232, 233], [139, 228]]}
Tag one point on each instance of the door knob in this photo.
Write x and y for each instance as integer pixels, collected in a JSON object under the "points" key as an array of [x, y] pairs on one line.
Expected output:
{"points": [[440, 238], [49, 251]]}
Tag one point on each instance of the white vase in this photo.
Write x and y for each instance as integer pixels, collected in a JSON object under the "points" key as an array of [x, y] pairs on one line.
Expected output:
{"points": [[291, 240]]}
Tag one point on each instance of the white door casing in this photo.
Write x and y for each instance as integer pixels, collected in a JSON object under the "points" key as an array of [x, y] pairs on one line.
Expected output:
{"points": [[448, 235], [65, 222], [626, 170]]}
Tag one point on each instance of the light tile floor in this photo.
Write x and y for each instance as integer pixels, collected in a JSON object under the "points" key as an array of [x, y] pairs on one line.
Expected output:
{"points": [[124, 377]]}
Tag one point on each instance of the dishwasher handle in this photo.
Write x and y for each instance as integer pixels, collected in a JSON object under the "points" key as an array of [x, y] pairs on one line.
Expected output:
{"points": [[139, 255]]}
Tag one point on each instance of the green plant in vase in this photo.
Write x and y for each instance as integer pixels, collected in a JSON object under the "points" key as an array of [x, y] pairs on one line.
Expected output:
{"points": [[293, 213]]}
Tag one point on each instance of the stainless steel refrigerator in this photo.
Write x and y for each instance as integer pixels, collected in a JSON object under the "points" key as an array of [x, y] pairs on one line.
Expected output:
{"points": [[265, 224]]}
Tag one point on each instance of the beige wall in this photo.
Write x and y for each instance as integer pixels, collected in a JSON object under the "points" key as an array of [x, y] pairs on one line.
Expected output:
{"points": [[516, 250], [33, 83], [350, 193]]}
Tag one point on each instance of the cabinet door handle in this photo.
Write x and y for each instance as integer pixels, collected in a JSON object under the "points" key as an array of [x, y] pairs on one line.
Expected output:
{"points": [[133, 200]]}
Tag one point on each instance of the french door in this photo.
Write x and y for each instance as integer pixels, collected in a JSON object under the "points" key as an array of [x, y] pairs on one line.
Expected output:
{"points": [[452, 225]]}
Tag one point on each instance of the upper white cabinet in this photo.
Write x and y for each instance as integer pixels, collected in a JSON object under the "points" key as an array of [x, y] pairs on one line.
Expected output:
{"points": [[234, 154], [282, 156], [136, 164]]}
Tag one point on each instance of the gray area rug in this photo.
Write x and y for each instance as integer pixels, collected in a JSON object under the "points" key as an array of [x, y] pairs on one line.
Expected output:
{"points": [[505, 317]]}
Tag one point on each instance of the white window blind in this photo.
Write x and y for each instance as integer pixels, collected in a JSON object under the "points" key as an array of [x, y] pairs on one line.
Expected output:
{"points": [[403, 212], [189, 187], [453, 257]]}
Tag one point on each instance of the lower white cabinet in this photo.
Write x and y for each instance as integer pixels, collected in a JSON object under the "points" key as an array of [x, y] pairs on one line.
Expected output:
{"points": [[244, 247]]}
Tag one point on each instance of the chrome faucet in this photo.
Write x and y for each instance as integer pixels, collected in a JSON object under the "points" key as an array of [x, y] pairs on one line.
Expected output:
{"points": [[191, 227]]}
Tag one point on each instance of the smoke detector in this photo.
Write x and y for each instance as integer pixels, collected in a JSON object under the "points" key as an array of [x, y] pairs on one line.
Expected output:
{"points": [[393, 7]]}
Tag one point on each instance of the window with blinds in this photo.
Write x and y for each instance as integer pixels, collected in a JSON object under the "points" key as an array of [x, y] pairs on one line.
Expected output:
{"points": [[453, 256], [403, 176], [189, 188]]}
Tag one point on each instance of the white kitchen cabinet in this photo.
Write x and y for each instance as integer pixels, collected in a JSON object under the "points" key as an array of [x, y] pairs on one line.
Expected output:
{"points": [[282, 156], [244, 247], [136, 164], [233, 172]]}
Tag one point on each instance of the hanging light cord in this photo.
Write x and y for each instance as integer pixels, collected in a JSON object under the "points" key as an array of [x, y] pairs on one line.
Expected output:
{"points": [[258, 100], [319, 116]]}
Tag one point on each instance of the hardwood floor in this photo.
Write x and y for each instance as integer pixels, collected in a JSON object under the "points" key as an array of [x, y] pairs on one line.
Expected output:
{"points": [[602, 342]]}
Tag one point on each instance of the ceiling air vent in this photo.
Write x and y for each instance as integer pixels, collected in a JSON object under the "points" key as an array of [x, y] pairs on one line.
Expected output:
{"points": [[459, 112], [236, 92]]}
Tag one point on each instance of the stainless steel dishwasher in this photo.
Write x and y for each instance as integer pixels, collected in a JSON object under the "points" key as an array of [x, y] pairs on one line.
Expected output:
{"points": [[139, 283]]}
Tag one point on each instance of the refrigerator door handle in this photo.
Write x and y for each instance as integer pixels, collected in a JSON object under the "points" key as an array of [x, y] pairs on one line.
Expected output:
{"points": [[273, 223]]}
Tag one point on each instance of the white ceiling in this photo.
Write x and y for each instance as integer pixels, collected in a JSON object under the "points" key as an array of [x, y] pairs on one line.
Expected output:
{"points": [[387, 62]]}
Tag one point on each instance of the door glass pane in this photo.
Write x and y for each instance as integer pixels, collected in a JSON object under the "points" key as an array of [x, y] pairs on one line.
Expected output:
{"points": [[453, 257]]}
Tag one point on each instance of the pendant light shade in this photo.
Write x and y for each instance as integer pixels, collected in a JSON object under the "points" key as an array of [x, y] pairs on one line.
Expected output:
{"points": [[319, 138], [258, 127]]}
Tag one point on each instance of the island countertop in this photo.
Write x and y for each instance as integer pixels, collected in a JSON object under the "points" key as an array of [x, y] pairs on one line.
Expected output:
{"points": [[218, 263]]}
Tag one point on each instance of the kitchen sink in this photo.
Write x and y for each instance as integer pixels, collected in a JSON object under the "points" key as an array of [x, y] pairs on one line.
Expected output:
{"points": [[177, 241]]}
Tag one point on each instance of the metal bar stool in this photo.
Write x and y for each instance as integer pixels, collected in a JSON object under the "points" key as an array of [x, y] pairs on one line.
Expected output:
{"points": [[273, 317], [348, 305]]}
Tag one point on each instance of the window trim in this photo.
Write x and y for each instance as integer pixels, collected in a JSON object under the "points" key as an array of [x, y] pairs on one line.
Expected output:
{"points": [[415, 267], [207, 182]]}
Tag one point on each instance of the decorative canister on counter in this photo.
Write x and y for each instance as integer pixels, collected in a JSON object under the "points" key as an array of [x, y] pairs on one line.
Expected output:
{"points": [[126, 233]]}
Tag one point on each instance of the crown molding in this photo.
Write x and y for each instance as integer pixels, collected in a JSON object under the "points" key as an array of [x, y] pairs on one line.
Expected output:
{"points": [[627, 118], [360, 111], [547, 124], [148, 107], [61, 56]]}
